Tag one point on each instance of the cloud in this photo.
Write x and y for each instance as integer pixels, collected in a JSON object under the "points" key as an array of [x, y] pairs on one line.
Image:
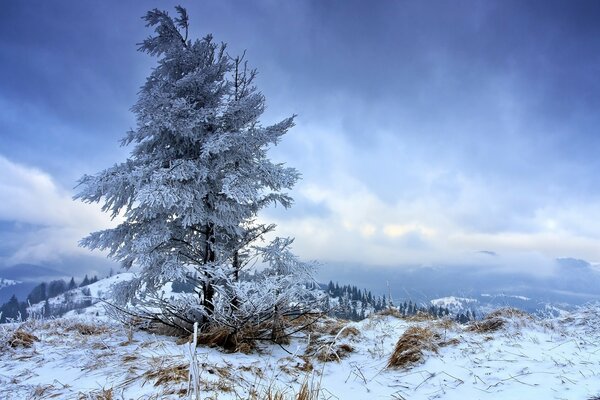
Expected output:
{"points": [[438, 214], [30, 197]]}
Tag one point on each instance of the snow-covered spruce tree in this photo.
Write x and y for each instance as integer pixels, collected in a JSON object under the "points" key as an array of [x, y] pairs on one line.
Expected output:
{"points": [[191, 189]]}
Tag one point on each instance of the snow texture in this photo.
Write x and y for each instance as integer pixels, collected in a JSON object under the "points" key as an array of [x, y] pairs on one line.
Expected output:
{"points": [[526, 358]]}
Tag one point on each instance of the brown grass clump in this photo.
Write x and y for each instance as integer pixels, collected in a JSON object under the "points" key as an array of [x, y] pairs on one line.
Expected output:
{"points": [[171, 374], [410, 348], [20, 338], [88, 330], [329, 353], [228, 340], [497, 319], [104, 394], [487, 325]]}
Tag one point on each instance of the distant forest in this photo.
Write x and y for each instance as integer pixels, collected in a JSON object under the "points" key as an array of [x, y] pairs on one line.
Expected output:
{"points": [[355, 304], [15, 310], [347, 302]]}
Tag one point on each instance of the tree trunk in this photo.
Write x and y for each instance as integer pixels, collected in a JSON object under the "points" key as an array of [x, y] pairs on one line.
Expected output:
{"points": [[236, 276], [209, 257]]}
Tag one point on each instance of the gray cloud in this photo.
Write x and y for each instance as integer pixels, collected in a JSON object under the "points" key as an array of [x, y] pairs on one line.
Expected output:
{"points": [[455, 126]]}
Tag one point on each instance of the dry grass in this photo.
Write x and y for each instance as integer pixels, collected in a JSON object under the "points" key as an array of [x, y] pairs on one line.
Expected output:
{"points": [[390, 311], [129, 358], [509, 312], [346, 331], [102, 394], [167, 375], [498, 319], [20, 338], [306, 366], [330, 353], [446, 324], [412, 345], [310, 389], [487, 325], [224, 338], [270, 393], [450, 342]]}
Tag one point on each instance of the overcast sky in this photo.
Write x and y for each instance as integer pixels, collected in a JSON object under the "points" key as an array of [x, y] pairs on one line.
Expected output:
{"points": [[426, 132]]}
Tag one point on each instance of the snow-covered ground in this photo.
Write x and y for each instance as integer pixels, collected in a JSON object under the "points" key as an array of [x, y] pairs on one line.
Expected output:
{"points": [[87, 356]]}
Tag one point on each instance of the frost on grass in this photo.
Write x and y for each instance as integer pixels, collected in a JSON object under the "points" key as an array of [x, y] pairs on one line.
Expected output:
{"points": [[412, 345], [524, 358]]}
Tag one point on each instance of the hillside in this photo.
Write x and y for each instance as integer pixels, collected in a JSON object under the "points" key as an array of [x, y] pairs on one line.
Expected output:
{"points": [[509, 354]]}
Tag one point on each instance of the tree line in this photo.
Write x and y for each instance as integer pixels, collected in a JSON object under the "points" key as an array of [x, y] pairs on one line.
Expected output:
{"points": [[14, 309], [356, 304]]}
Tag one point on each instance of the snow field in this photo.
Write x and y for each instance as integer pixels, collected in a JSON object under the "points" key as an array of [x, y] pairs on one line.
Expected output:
{"points": [[525, 358]]}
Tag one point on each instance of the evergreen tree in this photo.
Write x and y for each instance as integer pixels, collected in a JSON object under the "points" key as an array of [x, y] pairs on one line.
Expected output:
{"points": [[72, 285], [10, 309], [56, 288], [85, 282], [47, 309], [38, 293], [197, 175], [330, 288]]}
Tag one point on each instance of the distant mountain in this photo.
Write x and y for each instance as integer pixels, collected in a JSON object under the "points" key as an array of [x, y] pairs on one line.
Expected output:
{"points": [[569, 262], [30, 273], [26, 277], [21, 290], [574, 282]]}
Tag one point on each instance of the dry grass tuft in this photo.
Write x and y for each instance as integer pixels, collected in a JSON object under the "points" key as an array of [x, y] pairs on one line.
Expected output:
{"points": [[487, 325], [346, 332], [129, 358], [88, 330], [20, 338], [450, 342], [104, 394], [410, 348], [306, 366], [498, 319], [509, 312], [329, 353], [421, 317], [229, 341], [166, 375], [446, 324]]}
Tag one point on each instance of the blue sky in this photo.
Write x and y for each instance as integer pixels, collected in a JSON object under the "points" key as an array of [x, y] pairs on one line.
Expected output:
{"points": [[426, 131]]}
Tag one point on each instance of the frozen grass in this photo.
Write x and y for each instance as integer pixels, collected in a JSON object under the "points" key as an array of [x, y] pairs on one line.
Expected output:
{"points": [[412, 345], [86, 357]]}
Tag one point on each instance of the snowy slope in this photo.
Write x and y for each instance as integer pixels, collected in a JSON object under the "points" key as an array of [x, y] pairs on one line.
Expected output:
{"points": [[78, 299], [527, 358]]}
